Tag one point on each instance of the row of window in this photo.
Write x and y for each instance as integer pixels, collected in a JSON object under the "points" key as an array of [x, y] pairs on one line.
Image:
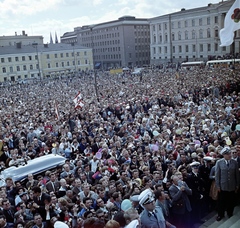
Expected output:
{"points": [[18, 68], [141, 33], [185, 23], [102, 43], [186, 35], [23, 58], [179, 48], [17, 59], [87, 36], [49, 65], [114, 56], [118, 56], [111, 49], [142, 40]]}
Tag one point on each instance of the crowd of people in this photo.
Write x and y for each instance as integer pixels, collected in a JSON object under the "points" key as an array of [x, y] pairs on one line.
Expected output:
{"points": [[142, 149]]}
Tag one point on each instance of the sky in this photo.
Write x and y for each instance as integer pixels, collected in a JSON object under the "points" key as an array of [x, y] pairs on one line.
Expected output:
{"points": [[42, 17]]}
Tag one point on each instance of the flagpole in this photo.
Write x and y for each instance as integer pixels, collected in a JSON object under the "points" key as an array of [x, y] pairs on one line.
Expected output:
{"points": [[234, 39]]}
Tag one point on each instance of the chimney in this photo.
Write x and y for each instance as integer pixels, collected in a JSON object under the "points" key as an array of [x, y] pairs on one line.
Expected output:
{"points": [[23, 33]]}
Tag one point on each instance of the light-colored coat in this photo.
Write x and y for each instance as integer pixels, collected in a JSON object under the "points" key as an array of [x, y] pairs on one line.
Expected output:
{"points": [[149, 221], [227, 178]]}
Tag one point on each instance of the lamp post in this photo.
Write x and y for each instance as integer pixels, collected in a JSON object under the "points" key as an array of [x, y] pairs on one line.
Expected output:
{"points": [[35, 45], [94, 73]]}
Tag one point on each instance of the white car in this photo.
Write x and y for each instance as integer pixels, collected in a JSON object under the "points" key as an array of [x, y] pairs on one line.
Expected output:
{"points": [[35, 166]]}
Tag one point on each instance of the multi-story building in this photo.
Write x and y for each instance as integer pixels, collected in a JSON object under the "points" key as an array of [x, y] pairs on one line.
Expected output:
{"points": [[190, 35], [120, 43], [40, 61], [21, 39]]}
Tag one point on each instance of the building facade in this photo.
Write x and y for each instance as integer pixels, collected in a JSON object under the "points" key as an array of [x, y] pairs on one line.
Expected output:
{"points": [[190, 35], [21, 39], [121, 43], [40, 61]]}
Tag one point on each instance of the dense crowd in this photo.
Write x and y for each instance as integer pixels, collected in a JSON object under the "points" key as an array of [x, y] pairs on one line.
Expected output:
{"points": [[133, 141]]}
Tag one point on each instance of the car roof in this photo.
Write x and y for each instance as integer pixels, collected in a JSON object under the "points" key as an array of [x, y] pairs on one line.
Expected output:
{"points": [[34, 166]]}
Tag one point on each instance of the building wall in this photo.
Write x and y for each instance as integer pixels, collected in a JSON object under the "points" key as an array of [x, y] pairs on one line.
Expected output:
{"points": [[53, 61], [189, 35], [23, 38], [114, 43]]}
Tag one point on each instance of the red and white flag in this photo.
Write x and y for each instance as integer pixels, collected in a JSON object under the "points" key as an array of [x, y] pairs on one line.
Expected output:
{"points": [[231, 24], [78, 101], [56, 109]]}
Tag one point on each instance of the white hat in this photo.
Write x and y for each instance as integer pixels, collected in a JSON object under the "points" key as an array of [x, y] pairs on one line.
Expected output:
{"points": [[208, 158], [195, 164], [225, 150], [59, 224], [146, 197]]}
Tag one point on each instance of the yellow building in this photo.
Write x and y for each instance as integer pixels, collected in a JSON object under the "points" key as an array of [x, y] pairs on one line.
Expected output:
{"points": [[44, 60]]}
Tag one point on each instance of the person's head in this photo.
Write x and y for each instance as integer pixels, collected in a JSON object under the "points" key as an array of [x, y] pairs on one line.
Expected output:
{"points": [[63, 182], [156, 176], [147, 200], [100, 202], [130, 215], [93, 223], [37, 219], [19, 225], [3, 221], [6, 204], [37, 191], [159, 195], [100, 214], [87, 201], [135, 174], [52, 177], [30, 176], [123, 175], [112, 224], [66, 167], [116, 196]]}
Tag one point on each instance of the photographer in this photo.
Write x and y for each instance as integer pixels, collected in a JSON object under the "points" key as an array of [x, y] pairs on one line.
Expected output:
{"points": [[27, 213]]}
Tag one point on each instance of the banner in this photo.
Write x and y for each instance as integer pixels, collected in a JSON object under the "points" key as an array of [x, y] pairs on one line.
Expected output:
{"points": [[231, 24]]}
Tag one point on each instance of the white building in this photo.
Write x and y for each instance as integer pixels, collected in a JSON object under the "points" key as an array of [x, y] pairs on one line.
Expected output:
{"points": [[39, 61], [190, 35]]}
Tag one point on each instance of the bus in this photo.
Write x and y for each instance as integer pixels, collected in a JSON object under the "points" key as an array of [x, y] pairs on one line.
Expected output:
{"points": [[222, 63], [192, 65]]}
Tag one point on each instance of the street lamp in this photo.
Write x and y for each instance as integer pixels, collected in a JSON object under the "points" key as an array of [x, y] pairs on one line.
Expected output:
{"points": [[35, 45], [94, 73]]}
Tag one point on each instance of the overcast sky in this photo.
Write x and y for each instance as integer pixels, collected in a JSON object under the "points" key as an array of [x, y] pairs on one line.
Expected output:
{"points": [[40, 17]]}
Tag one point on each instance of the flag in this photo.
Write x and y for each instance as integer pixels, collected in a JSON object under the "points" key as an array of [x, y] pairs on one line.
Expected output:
{"points": [[56, 109], [231, 24], [78, 101], [79, 104]]}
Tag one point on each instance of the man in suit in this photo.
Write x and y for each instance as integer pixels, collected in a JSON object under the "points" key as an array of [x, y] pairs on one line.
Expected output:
{"points": [[227, 182], [3, 222], [39, 222], [181, 207], [152, 216], [40, 200], [53, 184], [196, 184], [8, 212]]}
